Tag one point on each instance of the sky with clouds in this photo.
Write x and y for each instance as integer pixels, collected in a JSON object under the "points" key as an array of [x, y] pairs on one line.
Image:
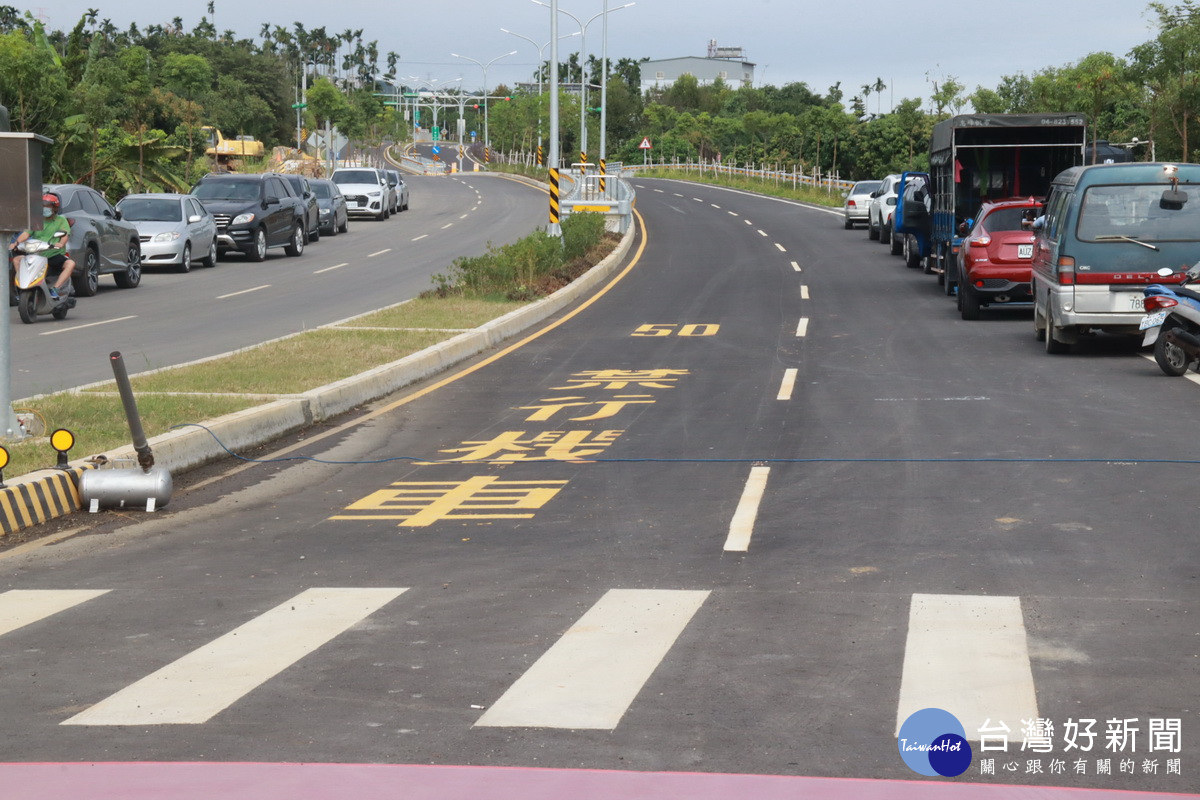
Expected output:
{"points": [[905, 44]]}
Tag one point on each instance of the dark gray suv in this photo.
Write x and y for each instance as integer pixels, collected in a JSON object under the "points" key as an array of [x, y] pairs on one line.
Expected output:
{"points": [[253, 213], [101, 242]]}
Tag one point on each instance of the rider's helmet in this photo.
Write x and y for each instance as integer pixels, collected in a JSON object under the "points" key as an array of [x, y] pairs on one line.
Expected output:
{"points": [[51, 200]]}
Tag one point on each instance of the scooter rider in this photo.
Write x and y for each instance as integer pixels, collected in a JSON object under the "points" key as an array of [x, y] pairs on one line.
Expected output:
{"points": [[55, 231]]}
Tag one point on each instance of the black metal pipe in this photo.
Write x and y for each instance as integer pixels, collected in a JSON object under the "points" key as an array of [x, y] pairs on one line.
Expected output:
{"points": [[144, 456]]}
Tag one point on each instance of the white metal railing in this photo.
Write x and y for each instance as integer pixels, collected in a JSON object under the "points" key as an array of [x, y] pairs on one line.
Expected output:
{"points": [[829, 182]]}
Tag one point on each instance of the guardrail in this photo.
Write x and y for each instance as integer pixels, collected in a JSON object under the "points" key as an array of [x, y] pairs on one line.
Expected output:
{"points": [[607, 194], [830, 183]]}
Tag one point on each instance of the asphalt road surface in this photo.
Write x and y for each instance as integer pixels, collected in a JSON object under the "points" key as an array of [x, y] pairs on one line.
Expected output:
{"points": [[172, 318], [744, 512]]}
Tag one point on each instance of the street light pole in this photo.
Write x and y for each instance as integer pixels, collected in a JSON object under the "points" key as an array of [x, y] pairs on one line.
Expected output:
{"points": [[541, 58], [487, 139]]}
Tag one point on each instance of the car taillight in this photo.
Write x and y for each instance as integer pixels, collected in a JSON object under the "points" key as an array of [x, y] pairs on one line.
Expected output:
{"points": [[850, 203], [1066, 270], [982, 241], [1156, 302]]}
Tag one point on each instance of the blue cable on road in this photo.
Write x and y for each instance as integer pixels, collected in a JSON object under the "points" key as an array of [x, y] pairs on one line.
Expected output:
{"points": [[709, 460]]}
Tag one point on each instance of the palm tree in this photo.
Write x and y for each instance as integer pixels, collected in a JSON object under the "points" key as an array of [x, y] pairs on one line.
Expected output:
{"points": [[878, 86]]}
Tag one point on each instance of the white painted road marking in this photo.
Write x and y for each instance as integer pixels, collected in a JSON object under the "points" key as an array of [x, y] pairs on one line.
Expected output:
{"points": [[802, 327], [593, 673], [742, 525], [788, 385], [967, 654], [419, 238], [88, 325], [330, 269], [206, 681], [796, 266], [243, 291], [379, 252], [804, 292], [21, 607], [761, 232], [782, 249]]}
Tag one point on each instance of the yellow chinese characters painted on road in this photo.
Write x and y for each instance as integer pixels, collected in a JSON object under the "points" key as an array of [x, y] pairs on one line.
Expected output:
{"points": [[549, 446], [417, 504]]}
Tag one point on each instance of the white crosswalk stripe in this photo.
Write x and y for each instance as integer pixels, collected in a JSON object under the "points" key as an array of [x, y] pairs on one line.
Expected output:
{"points": [[593, 673], [208, 680], [21, 607], [967, 654]]}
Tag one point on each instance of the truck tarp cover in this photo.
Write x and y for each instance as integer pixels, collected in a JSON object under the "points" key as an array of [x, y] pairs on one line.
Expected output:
{"points": [[943, 132]]}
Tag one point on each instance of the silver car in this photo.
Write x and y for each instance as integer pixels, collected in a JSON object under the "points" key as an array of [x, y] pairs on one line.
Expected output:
{"points": [[858, 201], [174, 229]]}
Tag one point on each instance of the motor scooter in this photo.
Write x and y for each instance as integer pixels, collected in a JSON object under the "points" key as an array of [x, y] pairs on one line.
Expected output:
{"points": [[1172, 324], [33, 291]]}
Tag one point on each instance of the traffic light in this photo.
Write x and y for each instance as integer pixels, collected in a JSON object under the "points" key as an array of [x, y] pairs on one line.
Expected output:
{"points": [[475, 106], [507, 99]]}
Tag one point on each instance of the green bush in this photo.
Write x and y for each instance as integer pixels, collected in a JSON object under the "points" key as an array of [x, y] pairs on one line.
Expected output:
{"points": [[519, 270]]}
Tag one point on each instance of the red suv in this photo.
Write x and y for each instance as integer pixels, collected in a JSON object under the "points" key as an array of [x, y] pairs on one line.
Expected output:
{"points": [[994, 262]]}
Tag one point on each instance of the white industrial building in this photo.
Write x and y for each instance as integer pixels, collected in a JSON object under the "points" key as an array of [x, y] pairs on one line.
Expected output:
{"points": [[726, 63]]}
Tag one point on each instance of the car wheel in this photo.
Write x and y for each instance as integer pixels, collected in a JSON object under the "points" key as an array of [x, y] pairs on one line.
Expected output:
{"points": [[912, 253], [847, 224], [1171, 358], [210, 260], [132, 276], [185, 262], [885, 233], [405, 205], [898, 241], [345, 226], [259, 251], [296, 245], [1053, 346], [315, 236], [872, 231], [87, 280], [968, 301]]}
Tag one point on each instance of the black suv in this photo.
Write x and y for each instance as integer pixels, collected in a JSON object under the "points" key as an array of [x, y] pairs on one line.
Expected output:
{"points": [[253, 212], [312, 213]]}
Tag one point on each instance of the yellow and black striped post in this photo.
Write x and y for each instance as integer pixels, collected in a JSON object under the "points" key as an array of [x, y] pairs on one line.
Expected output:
{"points": [[540, 161], [582, 157], [603, 172], [553, 196], [487, 155]]}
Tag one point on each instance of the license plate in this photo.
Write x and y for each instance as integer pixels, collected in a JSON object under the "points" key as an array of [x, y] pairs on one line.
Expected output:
{"points": [[1137, 302], [1024, 251], [1153, 320]]}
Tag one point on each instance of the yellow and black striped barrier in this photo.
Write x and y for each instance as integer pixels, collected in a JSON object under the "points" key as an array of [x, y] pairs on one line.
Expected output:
{"points": [[603, 172], [553, 195], [52, 494], [539, 156]]}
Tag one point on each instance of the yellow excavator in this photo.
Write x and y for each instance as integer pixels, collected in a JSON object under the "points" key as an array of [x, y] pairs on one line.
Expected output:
{"points": [[228, 153]]}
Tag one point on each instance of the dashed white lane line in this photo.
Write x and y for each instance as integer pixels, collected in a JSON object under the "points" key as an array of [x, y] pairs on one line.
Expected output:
{"points": [[330, 269], [21, 607], [796, 266], [244, 291], [780, 247], [732, 213], [967, 654], [208, 680], [804, 292], [761, 232], [788, 385], [802, 327], [419, 238], [379, 252], [748, 222], [592, 674], [447, 225], [88, 325], [714, 205], [741, 527]]}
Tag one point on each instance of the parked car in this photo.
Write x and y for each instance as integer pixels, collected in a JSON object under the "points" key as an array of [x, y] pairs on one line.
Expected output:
{"points": [[881, 209], [253, 213], [331, 207], [101, 242], [366, 191], [996, 255], [855, 209], [1108, 230], [174, 229], [399, 190], [302, 188]]}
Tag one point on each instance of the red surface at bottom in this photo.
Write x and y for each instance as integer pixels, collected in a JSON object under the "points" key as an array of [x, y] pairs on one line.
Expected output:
{"points": [[214, 781]]}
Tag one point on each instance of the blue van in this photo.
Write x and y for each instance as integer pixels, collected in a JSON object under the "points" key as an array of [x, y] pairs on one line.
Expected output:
{"points": [[1108, 231]]}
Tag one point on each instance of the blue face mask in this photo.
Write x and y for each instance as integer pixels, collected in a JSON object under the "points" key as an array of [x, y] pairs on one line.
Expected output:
{"points": [[47, 212]]}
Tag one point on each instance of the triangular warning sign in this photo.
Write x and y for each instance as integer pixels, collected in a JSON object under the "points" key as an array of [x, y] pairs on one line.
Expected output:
{"points": [[645, 145]]}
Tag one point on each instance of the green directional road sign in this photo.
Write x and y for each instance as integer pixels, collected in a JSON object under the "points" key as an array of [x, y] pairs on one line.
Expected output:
{"points": [[299, 105], [437, 133]]}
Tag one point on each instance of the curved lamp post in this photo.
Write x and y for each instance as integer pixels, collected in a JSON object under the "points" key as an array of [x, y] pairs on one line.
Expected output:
{"points": [[487, 139]]}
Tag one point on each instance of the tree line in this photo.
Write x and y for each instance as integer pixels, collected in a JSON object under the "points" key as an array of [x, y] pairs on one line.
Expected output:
{"points": [[125, 107]]}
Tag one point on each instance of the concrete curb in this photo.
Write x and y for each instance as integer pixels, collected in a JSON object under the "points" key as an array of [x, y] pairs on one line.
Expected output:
{"points": [[36, 497]]}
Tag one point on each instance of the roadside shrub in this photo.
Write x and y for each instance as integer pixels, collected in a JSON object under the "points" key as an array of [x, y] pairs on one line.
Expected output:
{"points": [[580, 233]]}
